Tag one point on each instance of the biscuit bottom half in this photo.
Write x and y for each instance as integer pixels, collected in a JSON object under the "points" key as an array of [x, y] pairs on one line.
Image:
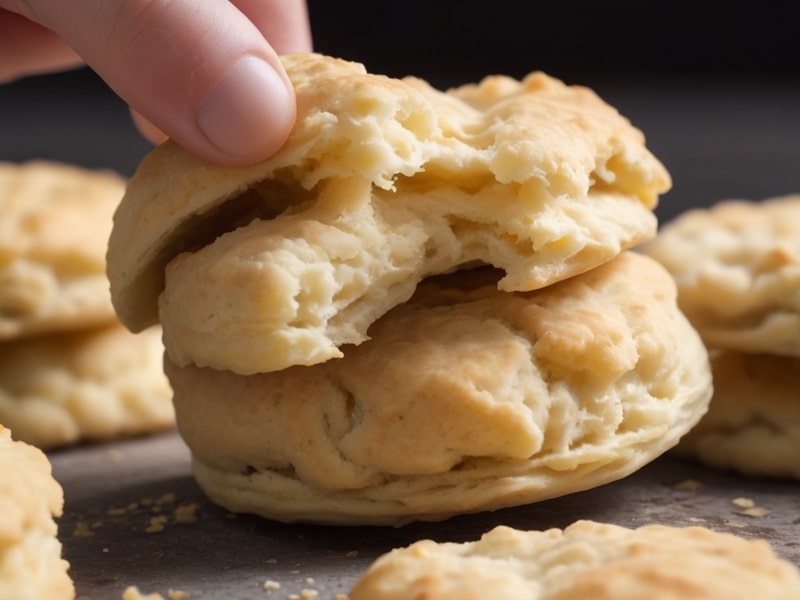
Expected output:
{"points": [[465, 399]]}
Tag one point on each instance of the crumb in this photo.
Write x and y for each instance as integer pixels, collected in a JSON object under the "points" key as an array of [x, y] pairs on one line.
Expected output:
{"points": [[737, 524], [82, 530], [270, 585], [341, 597], [177, 595], [117, 512], [307, 594], [168, 498], [310, 580], [105, 550], [133, 593], [272, 561], [186, 513], [755, 511], [688, 485], [156, 524], [743, 502], [352, 554]]}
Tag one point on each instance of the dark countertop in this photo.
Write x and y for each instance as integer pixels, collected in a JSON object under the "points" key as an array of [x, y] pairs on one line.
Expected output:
{"points": [[719, 139]]}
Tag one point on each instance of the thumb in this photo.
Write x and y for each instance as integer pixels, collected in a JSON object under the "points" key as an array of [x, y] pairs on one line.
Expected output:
{"points": [[201, 72]]}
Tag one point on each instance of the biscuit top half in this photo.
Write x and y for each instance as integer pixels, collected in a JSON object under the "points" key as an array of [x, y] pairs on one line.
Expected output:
{"points": [[539, 139]]}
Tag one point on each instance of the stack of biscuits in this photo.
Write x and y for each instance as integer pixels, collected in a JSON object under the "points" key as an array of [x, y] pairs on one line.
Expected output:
{"points": [[69, 370], [737, 268], [425, 304]]}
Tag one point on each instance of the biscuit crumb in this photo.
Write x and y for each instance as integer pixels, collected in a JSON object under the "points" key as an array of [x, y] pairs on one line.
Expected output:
{"points": [[755, 511], [270, 585], [157, 524], [82, 530], [743, 502], [271, 561], [186, 513], [177, 595], [351, 554]]}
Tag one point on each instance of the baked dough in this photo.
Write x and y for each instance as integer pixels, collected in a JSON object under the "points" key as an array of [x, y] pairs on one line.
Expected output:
{"points": [[753, 422], [94, 384], [31, 566], [737, 266], [464, 399], [585, 561], [382, 182], [55, 220]]}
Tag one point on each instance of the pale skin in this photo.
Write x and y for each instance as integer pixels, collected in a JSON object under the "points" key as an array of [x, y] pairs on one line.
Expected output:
{"points": [[204, 73]]}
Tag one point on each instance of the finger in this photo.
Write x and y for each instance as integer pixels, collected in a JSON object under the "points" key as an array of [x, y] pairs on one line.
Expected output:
{"points": [[147, 129], [27, 48], [201, 72]]}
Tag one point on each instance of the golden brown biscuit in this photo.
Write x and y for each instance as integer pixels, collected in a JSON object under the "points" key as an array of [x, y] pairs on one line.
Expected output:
{"points": [[55, 220], [31, 566], [753, 423], [737, 266], [382, 182], [464, 399], [585, 561], [94, 384]]}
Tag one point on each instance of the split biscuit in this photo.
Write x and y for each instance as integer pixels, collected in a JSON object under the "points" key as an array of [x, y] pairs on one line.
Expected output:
{"points": [[55, 220], [585, 561], [31, 565], [753, 422], [89, 385], [465, 399], [737, 266], [382, 182]]}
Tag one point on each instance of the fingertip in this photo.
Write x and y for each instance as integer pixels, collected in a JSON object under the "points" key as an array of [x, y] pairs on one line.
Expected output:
{"points": [[248, 114]]}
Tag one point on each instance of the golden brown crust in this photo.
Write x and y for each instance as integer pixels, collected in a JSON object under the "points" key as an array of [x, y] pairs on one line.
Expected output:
{"points": [[94, 384], [737, 266], [585, 561], [55, 220], [465, 398], [31, 567], [382, 182]]}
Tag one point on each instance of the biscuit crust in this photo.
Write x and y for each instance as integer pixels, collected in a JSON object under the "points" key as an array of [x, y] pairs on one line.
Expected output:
{"points": [[31, 566], [584, 561], [382, 183], [55, 220], [737, 266], [95, 384], [464, 399]]}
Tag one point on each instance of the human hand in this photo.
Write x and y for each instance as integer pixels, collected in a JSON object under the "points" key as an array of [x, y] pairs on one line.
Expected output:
{"points": [[206, 74]]}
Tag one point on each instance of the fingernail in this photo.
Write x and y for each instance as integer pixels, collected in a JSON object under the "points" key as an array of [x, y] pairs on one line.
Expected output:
{"points": [[250, 111]]}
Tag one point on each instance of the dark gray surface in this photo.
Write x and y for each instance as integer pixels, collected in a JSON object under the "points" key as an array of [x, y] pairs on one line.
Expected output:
{"points": [[112, 490]]}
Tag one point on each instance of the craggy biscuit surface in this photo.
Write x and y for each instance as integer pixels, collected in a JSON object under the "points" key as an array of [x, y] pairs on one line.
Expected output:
{"points": [[464, 399], [31, 566], [737, 266], [585, 561], [382, 182], [753, 423], [93, 384], [55, 220]]}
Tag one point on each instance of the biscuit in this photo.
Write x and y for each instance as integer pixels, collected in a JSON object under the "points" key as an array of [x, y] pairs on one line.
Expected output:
{"points": [[31, 566], [382, 182], [585, 561], [753, 423], [93, 384], [55, 220], [737, 266], [465, 399]]}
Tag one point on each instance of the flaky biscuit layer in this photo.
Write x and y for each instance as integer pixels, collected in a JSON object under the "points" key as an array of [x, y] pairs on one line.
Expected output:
{"points": [[584, 561], [31, 567], [753, 423], [737, 266], [382, 182], [55, 220], [466, 398], [94, 384]]}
